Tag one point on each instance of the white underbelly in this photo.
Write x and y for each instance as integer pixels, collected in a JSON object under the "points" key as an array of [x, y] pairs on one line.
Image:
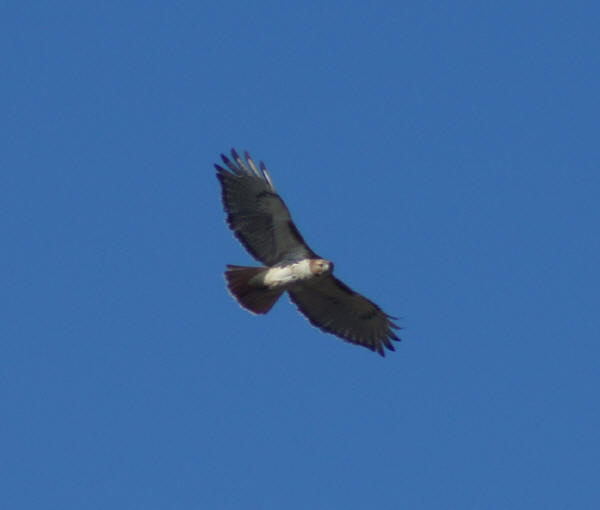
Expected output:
{"points": [[287, 275]]}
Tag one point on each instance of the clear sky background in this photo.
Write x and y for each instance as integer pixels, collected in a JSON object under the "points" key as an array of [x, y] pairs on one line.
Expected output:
{"points": [[445, 155]]}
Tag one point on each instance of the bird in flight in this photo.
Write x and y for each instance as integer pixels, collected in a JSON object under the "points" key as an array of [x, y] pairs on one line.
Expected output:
{"points": [[261, 221]]}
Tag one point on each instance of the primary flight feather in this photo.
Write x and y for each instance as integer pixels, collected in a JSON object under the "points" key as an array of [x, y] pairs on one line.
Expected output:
{"points": [[261, 221]]}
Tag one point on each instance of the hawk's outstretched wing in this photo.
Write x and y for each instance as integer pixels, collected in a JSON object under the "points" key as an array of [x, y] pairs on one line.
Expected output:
{"points": [[257, 214], [332, 306]]}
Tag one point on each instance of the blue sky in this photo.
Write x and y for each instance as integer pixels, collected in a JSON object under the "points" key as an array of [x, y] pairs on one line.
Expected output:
{"points": [[444, 155]]}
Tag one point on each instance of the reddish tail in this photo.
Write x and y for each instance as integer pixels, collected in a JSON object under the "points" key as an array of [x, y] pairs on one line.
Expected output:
{"points": [[245, 283]]}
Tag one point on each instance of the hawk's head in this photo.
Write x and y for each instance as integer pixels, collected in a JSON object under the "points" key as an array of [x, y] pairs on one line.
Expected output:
{"points": [[320, 267]]}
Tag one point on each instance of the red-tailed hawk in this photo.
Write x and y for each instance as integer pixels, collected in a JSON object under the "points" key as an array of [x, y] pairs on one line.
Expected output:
{"points": [[262, 223]]}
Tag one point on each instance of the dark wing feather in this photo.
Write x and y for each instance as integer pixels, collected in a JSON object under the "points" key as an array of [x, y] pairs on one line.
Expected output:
{"points": [[256, 213], [332, 306]]}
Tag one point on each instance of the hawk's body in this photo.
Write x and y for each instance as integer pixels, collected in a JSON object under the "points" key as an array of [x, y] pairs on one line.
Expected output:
{"points": [[262, 223], [286, 276]]}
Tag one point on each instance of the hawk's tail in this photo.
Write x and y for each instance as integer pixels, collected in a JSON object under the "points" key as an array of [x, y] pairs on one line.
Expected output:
{"points": [[245, 284]]}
